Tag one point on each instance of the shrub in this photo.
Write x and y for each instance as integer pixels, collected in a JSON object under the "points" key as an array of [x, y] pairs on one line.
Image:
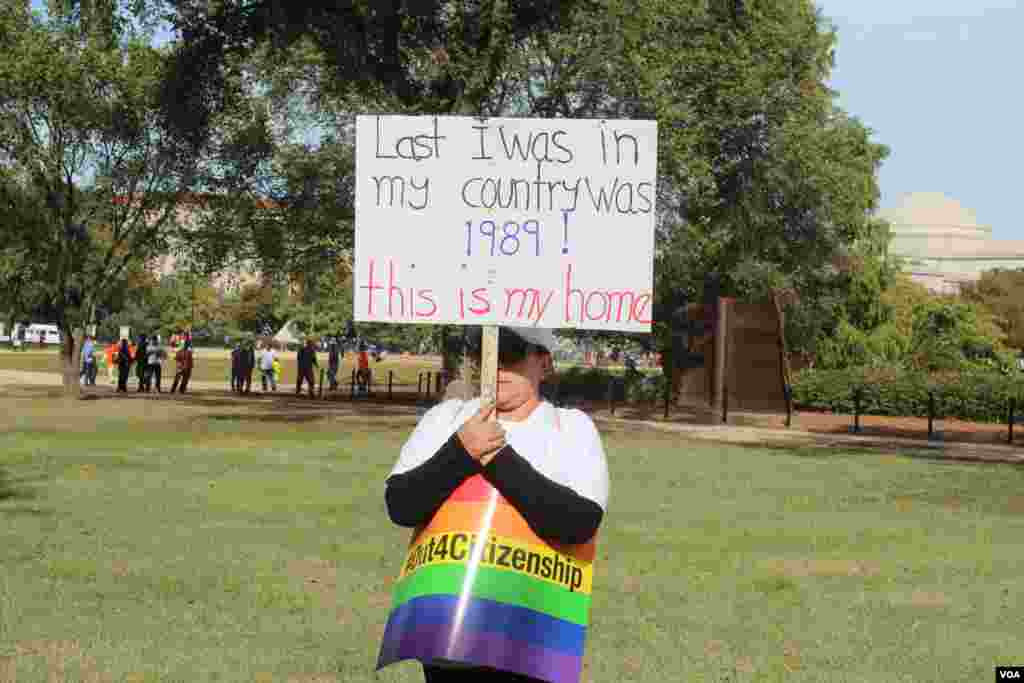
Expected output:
{"points": [[978, 394]]}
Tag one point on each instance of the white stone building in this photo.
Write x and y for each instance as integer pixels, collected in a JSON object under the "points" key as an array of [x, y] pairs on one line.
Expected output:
{"points": [[942, 245]]}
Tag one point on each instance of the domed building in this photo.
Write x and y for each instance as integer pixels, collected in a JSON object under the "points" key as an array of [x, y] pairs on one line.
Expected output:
{"points": [[942, 244]]}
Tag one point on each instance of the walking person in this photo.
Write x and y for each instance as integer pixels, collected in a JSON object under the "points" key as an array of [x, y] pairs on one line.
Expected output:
{"points": [[333, 364], [549, 467], [111, 354], [236, 368], [267, 368], [306, 361], [183, 368], [154, 367], [363, 373], [248, 362], [124, 364], [88, 374], [141, 354]]}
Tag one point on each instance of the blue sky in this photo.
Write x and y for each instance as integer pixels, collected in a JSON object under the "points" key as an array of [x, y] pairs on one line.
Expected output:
{"points": [[940, 82]]}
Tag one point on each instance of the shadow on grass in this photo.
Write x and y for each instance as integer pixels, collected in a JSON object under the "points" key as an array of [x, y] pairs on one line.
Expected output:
{"points": [[827, 450], [14, 488]]}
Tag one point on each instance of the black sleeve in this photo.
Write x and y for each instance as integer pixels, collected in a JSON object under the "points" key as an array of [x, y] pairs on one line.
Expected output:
{"points": [[556, 513], [414, 496]]}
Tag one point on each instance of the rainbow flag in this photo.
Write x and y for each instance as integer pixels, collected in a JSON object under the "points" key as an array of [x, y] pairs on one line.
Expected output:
{"points": [[478, 586]]}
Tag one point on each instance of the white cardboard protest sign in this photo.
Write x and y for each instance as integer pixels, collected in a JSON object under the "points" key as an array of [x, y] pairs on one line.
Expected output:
{"points": [[501, 221]]}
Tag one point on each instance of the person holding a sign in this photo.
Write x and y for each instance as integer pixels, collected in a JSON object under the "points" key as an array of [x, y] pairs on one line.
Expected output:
{"points": [[498, 590]]}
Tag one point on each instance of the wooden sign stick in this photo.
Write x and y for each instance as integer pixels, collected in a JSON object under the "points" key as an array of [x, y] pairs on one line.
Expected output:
{"points": [[489, 366]]}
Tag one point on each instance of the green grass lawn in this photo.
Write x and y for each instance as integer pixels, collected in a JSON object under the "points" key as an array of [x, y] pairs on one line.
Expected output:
{"points": [[172, 541]]}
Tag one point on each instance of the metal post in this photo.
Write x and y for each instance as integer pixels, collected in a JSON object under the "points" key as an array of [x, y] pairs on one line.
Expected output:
{"points": [[352, 386], [856, 410], [788, 390], [321, 392], [430, 378], [725, 404], [391, 375], [668, 389], [931, 414], [419, 385], [1009, 436], [611, 396]]}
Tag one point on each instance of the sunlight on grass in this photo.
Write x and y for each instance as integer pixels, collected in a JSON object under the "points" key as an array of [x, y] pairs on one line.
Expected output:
{"points": [[176, 545]]}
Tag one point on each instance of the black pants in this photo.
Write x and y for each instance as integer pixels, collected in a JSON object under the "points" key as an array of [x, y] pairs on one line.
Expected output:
{"points": [[88, 373], [122, 377], [153, 372], [140, 373], [433, 674], [307, 375], [181, 376], [244, 381]]}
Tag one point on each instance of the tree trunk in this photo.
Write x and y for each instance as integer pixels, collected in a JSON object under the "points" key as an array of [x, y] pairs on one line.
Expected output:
{"points": [[70, 365]]}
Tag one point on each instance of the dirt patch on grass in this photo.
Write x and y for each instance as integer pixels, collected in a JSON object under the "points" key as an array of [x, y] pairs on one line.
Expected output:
{"points": [[903, 503], [319, 577], [61, 656], [791, 656], [1015, 504], [745, 665], [811, 567], [7, 670], [920, 598]]}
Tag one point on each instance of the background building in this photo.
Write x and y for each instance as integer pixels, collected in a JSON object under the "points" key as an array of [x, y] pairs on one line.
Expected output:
{"points": [[942, 245]]}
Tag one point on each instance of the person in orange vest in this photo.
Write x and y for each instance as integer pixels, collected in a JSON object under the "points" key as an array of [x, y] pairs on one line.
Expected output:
{"points": [[110, 352]]}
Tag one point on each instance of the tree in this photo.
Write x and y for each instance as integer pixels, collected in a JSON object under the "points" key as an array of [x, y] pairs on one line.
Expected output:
{"points": [[374, 48], [1002, 293], [761, 177], [89, 176]]}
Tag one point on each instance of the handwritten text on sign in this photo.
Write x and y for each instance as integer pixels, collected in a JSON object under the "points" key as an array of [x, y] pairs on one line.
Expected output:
{"points": [[505, 221]]}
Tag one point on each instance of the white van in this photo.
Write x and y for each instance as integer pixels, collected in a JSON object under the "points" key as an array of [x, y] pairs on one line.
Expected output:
{"points": [[46, 333]]}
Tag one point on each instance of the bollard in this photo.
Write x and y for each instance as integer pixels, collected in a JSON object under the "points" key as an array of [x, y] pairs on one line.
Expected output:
{"points": [[856, 410], [419, 386], [931, 414], [352, 386], [788, 394], [430, 378], [391, 376], [1013, 405], [611, 396], [321, 383], [668, 394], [725, 404]]}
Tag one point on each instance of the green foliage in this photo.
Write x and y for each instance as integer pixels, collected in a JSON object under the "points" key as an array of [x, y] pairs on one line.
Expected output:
{"points": [[1002, 293], [946, 336], [761, 177], [978, 394], [89, 178]]}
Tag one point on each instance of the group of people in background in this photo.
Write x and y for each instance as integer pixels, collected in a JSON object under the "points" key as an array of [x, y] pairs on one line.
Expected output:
{"points": [[146, 355], [246, 357]]}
